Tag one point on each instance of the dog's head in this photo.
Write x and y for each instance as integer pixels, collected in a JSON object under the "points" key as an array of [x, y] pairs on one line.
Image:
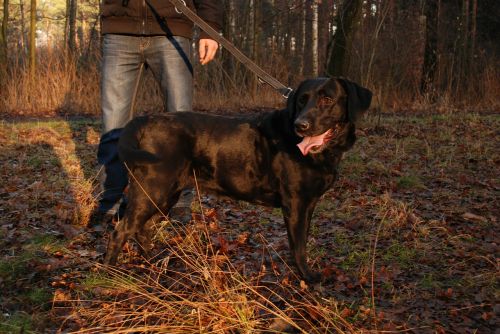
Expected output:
{"points": [[324, 108]]}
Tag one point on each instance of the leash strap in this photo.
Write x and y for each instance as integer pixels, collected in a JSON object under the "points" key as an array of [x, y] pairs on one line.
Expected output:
{"points": [[180, 6]]}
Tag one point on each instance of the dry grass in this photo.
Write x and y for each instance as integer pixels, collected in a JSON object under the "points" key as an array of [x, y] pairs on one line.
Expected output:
{"points": [[71, 87], [206, 294]]}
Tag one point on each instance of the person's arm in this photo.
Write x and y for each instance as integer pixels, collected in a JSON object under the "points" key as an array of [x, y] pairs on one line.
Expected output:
{"points": [[211, 11]]}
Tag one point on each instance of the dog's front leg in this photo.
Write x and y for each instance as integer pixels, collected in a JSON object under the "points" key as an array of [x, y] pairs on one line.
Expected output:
{"points": [[297, 219]]}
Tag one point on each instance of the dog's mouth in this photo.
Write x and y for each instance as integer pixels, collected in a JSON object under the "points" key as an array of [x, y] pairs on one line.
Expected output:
{"points": [[316, 144]]}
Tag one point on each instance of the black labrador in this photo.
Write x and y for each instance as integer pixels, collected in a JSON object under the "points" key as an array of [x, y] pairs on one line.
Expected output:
{"points": [[285, 159]]}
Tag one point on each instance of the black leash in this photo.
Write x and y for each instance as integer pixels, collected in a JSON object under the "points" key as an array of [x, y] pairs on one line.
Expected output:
{"points": [[180, 6]]}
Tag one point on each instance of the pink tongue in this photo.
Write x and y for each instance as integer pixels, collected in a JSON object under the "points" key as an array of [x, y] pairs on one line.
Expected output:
{"points": [[309, 142]]}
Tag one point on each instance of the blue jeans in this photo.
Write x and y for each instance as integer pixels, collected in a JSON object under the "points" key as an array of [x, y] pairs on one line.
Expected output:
{"points": [[124, 57]]}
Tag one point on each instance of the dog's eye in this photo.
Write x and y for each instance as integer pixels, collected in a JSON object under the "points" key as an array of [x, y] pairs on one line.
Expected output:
{"points": [[325, 101], [302, 100]]}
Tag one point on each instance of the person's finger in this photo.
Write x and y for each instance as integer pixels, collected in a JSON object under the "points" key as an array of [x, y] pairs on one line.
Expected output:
{"points": [[210, 49], [202, 51]]}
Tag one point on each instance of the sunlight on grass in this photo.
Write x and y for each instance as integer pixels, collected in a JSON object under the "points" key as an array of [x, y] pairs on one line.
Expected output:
{"points": [[58, 136], [202, 292]]}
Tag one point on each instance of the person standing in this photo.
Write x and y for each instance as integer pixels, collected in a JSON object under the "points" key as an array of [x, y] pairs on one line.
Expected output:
{"points": [[139, 34]]}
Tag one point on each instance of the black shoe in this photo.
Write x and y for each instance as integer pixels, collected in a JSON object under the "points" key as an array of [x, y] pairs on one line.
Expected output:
{"points": [[101, 221]]}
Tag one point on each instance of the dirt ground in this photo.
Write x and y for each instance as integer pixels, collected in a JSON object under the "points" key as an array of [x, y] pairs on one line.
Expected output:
{"points": [[407, 241]]}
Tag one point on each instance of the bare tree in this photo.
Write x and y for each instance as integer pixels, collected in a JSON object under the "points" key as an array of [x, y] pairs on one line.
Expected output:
{"points": [[315, 37], [24, 37], [302, 49], [341, 42], [431, 12], [32, 44], [473, 33], [251, 27], [3, 32], [72, 26], [382, 11]]}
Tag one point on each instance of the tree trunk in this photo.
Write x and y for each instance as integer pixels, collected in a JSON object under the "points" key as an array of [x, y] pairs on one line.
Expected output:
{"points": [[473, 32], [340, 49], [315, 37], [3, 33], [66, 22], [427, 85], [464, 46], [256, 41], [302, 50], [24, 38], [32, 49], [256, 31], [251, 27], [230, 33], [72, 26]]}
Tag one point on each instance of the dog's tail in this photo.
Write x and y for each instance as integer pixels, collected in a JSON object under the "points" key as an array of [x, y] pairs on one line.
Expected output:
{"points": [[129, 148]]}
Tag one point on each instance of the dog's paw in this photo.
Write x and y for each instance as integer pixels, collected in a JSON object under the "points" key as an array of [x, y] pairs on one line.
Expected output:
{"points": [[312, 277]]}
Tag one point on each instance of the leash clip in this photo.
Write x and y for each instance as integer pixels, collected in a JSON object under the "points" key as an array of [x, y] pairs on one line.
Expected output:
{"points": [[178, 11], [288, 92]]}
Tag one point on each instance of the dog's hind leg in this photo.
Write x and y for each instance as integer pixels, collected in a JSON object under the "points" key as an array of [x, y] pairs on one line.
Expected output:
{"points": [[138, 212]]}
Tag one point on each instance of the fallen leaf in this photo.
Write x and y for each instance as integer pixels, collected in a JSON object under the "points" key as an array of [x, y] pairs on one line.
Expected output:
{"points": [[474, 217]]}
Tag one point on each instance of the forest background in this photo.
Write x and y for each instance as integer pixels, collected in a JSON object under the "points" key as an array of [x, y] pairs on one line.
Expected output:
{"points": [[413, 54]]}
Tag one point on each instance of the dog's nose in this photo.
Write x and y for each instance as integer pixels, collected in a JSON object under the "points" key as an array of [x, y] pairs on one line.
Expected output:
{"points": [[302, 125]]}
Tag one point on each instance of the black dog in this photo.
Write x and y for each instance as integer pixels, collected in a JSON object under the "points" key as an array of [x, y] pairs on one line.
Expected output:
{"points": [[285, 159]]}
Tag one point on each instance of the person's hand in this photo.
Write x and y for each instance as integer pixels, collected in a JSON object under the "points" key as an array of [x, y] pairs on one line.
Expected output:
{"points": [[208, 48]]}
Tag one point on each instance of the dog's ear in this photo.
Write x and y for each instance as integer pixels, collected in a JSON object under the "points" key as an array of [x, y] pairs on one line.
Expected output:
{"points": [[358, 98]]}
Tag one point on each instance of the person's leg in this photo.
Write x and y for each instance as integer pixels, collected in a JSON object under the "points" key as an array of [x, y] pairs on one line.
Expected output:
{"points": [[170, 61], [121, 70]]}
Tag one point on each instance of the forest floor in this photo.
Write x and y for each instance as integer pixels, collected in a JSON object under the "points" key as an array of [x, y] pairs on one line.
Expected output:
{"points": [[407, 241]]}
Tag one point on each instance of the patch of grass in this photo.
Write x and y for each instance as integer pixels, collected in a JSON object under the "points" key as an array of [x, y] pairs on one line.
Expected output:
{"points": [[353, 163], [440, 117], [16, 267], [317, 251], [356, 259], [410, 182], [35, 161], [429, 281], [277, 212], [400, 254], [16, 323], [46, 243], [264, 221], [325, 208], [412, 145], [377, 167], [39, 296], [93, 280]]}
